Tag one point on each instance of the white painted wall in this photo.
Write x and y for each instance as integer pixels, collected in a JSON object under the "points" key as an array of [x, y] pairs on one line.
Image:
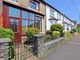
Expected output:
{"points": [[61, 20], [48, 24]]}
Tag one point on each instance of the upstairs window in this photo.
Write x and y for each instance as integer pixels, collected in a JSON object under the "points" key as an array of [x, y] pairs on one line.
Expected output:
{"points": [[51, 12], [58, 16], [34, 4], [62, 18], [14, 0]]}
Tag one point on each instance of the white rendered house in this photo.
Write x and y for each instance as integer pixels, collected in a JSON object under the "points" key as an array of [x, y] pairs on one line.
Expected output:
{"points": [[53, 16]]}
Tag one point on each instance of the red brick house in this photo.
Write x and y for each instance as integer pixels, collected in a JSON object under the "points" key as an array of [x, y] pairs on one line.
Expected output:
{"points": [[19, 14]]}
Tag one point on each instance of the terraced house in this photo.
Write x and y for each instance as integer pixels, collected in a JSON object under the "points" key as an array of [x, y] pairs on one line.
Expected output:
{"points": [[19, 14], [54, 16]]}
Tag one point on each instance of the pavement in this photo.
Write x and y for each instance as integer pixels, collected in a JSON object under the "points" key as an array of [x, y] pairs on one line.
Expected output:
{"points": [[71, 51]]}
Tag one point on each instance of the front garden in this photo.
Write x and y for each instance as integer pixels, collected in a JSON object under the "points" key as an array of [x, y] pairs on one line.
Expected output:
{"points": [[8, 33], [55, 32]]}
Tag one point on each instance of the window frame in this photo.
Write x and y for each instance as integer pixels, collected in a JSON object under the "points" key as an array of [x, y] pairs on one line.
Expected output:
{"points": [[33, 23], [14, 13], [36, 3], [40, 22], [28, 19], [52, 11], [31, 2], [14, 28]]}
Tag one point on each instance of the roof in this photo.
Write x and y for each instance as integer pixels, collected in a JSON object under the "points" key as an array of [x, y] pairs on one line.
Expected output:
{"points": [[57, 11]]}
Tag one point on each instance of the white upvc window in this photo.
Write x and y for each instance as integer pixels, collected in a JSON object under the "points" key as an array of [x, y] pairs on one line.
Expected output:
{"points": [[51, 12]]}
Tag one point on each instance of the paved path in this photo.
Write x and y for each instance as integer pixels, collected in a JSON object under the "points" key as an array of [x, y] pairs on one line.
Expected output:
{"points": [[69, 52]]}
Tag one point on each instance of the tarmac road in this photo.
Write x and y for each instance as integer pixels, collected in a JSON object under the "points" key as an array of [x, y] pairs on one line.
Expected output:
{"points": [[71, 51]]}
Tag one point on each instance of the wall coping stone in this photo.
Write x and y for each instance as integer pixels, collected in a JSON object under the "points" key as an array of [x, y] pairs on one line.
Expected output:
{"points": [[5, 40], [53, 41], [39, 35]]}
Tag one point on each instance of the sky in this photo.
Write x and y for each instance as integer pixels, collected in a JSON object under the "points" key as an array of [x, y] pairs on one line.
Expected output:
{"points": [[70, 9]]}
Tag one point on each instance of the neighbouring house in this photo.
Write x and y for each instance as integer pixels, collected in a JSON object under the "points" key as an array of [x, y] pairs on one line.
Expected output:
{"points": [[20, 14], [54, 16]]}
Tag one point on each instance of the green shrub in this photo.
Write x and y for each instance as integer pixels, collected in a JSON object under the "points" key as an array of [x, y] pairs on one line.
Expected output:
{"points": [[30, 32], [49, 32], [78, 29], [8, 33], [67, 35], [36, 30], [2, 33], [55, 34], [73, 30], [47, 38], [57, 27]]}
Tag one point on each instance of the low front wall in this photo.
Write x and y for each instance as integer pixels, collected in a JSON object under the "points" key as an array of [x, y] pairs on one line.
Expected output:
{"points": [[48, 47], [4, 49], [41, 49], [53, 44]]}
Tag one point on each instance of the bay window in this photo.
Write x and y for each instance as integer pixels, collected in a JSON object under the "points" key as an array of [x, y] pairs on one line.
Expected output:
{"points": [[24, 25], [14, 12], [24, 14], [14, 15], [31, 16], [24, 20], [31, 19], [16, 25], [38, 22], [28, 19], [12, 24], [31, 23]]}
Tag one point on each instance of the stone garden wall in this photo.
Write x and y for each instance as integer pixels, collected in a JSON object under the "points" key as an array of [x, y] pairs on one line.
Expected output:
{"points": [[4, 48], [42, 49]]}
